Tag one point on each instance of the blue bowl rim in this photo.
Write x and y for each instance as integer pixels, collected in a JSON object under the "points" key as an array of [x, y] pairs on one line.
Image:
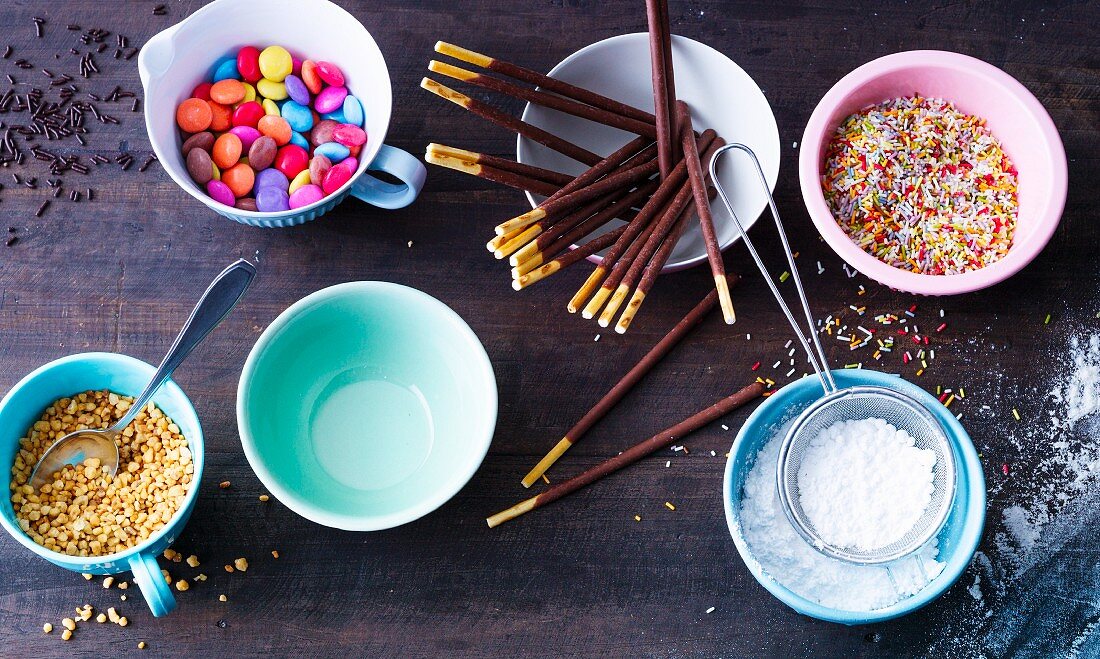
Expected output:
{"points": [[80, 563], [292, 499], [973, 523]]}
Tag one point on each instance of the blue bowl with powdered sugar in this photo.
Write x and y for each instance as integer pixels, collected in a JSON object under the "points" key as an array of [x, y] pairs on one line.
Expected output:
{"points": [[823, 587]]}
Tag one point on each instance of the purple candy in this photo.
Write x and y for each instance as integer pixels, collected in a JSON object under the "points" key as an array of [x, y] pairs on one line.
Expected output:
{"points": [[351, 162], [330, 99], [297, 90], [306, 195], [220, 193], [248, 135], [271, 178], [272, 200]]}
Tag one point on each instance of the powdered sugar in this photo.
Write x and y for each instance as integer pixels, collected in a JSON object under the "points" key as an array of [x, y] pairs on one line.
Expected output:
{"points": [[864, 484], [787, 559]]}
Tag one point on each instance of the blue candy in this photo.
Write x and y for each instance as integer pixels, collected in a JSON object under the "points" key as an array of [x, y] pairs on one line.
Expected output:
{"points": [[300, 140], [224, 69], [272, 200], [337, 116], [271, 178], [334, 151], [297, 115], [353, 111]]}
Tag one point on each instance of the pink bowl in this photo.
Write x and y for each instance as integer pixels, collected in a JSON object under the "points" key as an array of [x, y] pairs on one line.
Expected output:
{"points": [[1014, 116]]}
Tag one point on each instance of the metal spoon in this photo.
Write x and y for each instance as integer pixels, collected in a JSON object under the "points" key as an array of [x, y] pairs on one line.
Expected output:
{"points": [[216, 303]]}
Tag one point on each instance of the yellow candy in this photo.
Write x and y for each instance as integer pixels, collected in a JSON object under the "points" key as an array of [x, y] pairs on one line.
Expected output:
{"points": [[276, 91], [271, 108], [275, 64], [249, 93], [217, 172], [301, 179]]}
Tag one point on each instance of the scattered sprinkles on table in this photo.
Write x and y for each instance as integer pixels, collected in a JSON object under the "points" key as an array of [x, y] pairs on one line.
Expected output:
{"points": [[922, 186]]}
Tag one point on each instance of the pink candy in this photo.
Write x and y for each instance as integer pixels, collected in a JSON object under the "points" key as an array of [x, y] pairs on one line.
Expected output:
{"points": [[336, 177], [306, 195], [248, 135], [349, 135], [220, 192], [330, 73], [330, 99]]}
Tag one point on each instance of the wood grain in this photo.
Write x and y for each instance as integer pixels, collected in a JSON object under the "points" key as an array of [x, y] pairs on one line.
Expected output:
{"points": [[121, 273]]}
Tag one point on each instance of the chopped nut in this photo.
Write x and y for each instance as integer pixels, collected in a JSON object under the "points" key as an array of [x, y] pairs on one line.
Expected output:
{"points": [[170, 554], [275, 553], [182, 585], [87, 575], [101, 618], [200, 577], [122, 622], [221, 598], [124, 585], [229, 568], [66, 635], [112, 615], [224, 485], [123, 598], [107, 581], [47, 628], [86, 614], [167, 577], [193, 560], [68, 623], [141, 645], [264, 497], [241, 564]]}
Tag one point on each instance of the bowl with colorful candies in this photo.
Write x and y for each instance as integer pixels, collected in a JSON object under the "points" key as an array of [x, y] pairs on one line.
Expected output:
{"points": [[276, 131], [933, 172]]}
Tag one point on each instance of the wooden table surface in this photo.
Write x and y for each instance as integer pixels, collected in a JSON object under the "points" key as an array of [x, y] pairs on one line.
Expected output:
{"points": [[581, 577]]}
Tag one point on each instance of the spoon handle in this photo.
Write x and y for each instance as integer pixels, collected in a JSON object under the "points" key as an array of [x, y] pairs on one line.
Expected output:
{"points": [[216, 303]]}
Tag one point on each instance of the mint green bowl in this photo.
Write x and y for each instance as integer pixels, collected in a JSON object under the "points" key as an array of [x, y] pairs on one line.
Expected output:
{"points": [[366, 405]]}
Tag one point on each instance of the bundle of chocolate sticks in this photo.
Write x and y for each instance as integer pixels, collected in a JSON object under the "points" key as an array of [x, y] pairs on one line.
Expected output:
{"points": [[654, 185]]}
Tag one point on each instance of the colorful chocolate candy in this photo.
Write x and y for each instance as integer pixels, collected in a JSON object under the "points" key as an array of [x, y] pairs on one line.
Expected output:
{"points": [[268, 132]]}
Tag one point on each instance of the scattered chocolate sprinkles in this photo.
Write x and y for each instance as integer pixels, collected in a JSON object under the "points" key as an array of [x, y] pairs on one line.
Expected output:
{"points": [[42, 208]]}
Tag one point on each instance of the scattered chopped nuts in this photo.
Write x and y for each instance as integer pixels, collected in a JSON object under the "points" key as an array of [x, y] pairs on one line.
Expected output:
{"points": [[275, 553], [68, 623], [87, 576], [124, 585], [66, 635], [221, 598], [241, 564], [101, 618], [107, 581], [229, 568], [86, 614], [182, 585], [122, 622], [170, 554], [123, 598], [141, 645], [264, 497], [193, 560], [224, 485], [112, 615], [85, 511], [200, 577], [167, 577], [47, 628]]}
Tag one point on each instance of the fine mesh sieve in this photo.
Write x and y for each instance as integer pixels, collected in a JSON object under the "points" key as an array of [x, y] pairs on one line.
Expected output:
{"points": [[854, 403]]}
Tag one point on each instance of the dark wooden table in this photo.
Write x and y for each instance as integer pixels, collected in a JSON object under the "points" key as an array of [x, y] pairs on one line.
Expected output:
{"points": [[581, 577]]}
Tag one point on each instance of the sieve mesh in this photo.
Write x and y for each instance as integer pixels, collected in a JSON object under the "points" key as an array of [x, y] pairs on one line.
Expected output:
{"points": [[903, 413]]}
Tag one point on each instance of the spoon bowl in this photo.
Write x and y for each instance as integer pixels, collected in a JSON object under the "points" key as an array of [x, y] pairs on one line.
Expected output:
{"points": [[76, 448]]}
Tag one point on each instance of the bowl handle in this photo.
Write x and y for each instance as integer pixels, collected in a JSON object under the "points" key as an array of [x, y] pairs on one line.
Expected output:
{"points": [[399, 164], [157, 592], [156, 56]]}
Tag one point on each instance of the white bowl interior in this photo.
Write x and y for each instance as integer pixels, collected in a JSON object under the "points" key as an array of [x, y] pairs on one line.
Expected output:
{"points": [[175, 61], [721, 96]]}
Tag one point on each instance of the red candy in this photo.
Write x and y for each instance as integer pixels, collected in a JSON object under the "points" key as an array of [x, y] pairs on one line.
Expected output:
{"points": [[330, 73], [248, 63], [291, 160], [202, 91], [248, 114], [349, 135], [336, 177]]}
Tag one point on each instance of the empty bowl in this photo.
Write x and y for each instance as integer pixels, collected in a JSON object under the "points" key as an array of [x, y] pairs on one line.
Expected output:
{"points": [[366, 405], [721, 95], [1013, 115], [957, 540]]}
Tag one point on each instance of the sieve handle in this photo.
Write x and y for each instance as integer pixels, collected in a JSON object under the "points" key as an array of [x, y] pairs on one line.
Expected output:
{"points": [[818, 360]]}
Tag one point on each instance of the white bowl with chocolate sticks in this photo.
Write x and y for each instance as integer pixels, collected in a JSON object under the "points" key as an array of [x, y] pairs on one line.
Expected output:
{"points": [[606, 175]]}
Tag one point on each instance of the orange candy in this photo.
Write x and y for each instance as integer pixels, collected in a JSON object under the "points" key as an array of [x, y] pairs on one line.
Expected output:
{"points": [[194, 115], [310, 77], [240, 178], [227, 92], [276, 128], [227, 151], [222, 116]]}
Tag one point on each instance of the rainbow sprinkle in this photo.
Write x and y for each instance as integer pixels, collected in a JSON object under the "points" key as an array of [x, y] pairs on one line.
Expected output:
{"points": [[922, 186]]}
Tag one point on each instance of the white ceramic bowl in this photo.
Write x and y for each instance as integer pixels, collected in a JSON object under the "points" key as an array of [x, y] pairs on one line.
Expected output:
{"points": [[721, 95]]}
